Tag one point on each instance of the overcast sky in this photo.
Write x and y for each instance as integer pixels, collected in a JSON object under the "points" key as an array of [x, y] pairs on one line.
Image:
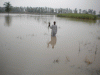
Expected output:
{"points": [[72, 4]]}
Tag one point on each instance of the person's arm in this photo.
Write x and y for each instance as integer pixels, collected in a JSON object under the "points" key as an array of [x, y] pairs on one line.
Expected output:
{"points": [[51, 27], [49, 24]]}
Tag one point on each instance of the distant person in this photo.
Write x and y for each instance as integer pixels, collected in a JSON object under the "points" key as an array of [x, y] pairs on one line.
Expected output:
{"points": [[54, 29]]}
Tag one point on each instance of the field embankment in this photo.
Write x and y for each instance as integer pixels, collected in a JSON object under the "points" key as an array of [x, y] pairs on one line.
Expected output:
{"points": [[78, 16]]}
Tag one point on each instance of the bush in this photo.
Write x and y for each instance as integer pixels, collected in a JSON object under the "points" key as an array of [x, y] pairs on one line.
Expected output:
{"points": [[79, 16]]}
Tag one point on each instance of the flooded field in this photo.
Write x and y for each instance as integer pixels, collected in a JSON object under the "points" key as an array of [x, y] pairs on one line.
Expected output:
{"points": [[27, 48]]}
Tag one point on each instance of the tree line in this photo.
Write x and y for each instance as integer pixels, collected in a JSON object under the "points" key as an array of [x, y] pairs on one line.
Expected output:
{"points": [[43, 10]]}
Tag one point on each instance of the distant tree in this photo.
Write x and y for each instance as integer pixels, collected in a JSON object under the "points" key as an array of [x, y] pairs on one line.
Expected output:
{"points": [[66, 10], [90, 11], [99, 12], [7, 7], [56, 10], [94, 12], [80, 11], [75, 11], [52, 10], [2, 9], [84, 12], [70, 11]]}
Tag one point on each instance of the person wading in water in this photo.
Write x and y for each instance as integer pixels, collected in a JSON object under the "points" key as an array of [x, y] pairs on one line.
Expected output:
{"points": [[54, 29]]}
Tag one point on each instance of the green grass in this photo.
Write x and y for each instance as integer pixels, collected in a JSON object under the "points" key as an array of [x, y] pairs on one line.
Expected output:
{"points": [[79, 16]]}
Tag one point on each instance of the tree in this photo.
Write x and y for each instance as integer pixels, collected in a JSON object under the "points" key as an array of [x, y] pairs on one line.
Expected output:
{"points": [[99, 12], [75, 11], [90, 11], [84, 12], [7, 7], [94, 12], [80, 11]]}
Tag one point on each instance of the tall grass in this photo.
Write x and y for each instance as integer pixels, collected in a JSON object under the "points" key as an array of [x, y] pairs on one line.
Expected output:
{"points": [[79, 16]]}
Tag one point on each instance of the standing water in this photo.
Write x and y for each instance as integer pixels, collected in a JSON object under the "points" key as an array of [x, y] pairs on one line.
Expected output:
{"points": [[27, 48]]}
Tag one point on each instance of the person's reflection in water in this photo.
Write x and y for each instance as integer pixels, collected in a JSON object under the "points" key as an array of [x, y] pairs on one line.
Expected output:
{"points": [[52, 42], [8, 20]]}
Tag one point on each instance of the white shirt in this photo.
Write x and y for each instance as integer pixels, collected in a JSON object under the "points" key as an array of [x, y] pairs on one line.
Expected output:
{"points": [[54, 29]]}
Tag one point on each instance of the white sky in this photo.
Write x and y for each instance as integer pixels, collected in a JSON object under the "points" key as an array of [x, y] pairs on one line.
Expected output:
{"points": [[72, 4]]}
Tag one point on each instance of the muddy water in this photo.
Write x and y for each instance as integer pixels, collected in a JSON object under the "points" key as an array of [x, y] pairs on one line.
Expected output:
{"points": [[27, 48]]}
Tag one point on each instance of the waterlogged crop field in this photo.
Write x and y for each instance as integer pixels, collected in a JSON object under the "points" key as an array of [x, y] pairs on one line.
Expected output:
{"points": [[79, 16], [27, 48]]}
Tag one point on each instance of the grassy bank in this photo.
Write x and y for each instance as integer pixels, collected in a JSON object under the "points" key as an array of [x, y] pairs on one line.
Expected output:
{"points": [[79, 16]]}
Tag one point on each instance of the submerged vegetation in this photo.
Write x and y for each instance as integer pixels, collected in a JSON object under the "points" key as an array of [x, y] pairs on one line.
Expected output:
{"points": [[79, 16]]}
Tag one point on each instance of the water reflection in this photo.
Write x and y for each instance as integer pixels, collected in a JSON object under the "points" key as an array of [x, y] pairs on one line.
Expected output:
{"points": [[98, 21], [42, 18], [8, 20], [52, 42]]}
